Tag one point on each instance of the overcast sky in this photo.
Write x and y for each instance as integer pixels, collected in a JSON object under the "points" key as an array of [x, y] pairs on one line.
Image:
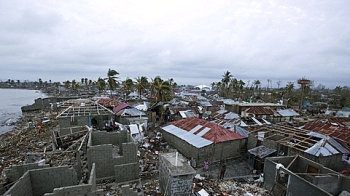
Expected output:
{"points": [[193, 42]]}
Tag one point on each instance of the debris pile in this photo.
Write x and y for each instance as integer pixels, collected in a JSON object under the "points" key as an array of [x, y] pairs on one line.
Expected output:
{"points": [[215, 187]]}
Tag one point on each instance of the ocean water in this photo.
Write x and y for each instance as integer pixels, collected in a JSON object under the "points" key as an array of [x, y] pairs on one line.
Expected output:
{"points": [[11, 101]]}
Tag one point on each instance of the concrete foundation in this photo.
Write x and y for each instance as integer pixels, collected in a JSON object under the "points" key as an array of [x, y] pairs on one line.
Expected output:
{"points": [[175, 175]]}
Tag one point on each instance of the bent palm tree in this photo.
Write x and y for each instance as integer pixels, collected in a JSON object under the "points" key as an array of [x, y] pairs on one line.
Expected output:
{"points": [[112, 79], [141, 84], [101, 83], [162, 89]]}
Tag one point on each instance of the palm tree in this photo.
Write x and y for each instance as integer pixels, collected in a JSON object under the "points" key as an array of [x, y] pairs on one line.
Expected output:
{"points": [[112, 79], [101, 83], [66, 84], [128, 85], [162, 89], [225, 83], [141, 84]]}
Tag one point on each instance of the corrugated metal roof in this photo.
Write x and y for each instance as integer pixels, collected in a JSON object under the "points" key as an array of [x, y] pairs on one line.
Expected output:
{"points": [[261, 151], [287, 112], [260, 111], [209, 130], [242, 131], [121, 106], [130, 112], [332, 129], [193, 139], [231, 115]]}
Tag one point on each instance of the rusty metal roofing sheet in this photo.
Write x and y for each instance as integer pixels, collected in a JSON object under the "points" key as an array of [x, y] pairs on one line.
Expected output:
{"points": [[340, 133], [260, 111], [121, 106], [195, 140], [209, 130]]}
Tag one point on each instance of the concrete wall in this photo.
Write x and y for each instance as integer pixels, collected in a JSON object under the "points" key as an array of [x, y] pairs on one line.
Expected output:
{"points": [[15, 172], [126, 172], [45, 180], [213, 152], [103, 137], [252, 141], [328, 182], [81, 189], [333, 162], [41, 181], [108, 150], [21, 188], [298, 187], [174, 183]]}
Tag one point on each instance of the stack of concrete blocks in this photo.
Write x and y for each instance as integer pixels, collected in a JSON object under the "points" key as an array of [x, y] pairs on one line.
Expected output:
{"points": [[55, 181], [175, 174], [115, 155]]}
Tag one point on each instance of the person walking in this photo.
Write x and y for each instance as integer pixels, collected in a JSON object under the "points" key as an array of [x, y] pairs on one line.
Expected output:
{"points": [[222, 170], [206, 165]]}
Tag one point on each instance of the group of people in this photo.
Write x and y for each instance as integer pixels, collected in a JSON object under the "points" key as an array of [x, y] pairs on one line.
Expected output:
{"points": [[223, 167]]}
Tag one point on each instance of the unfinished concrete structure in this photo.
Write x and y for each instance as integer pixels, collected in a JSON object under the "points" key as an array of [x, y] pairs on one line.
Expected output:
{"points": [[291, 141], [54, 181], [115, 155], [202, 140], [296, 175], [82, 112], [175, 174]]}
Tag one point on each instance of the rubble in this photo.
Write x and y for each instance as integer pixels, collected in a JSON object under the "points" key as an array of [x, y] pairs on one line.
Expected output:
{"points": [[228, 187]]}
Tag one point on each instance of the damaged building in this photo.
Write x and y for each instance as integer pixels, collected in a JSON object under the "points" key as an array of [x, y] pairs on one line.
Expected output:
{"points": [[175, 174], [114, 154], [81, 112], [289, 141], [297, 175], [202, 140], [54, 181]]}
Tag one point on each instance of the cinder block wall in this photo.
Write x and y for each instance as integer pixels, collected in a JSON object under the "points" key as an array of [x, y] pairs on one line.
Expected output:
{"points": [[103, 137], [22, 187], [69, 130], [102, 156], [41, 181], [212, 152], [100, 152], [225, 150], [45, 180], [173, 184], [252, 141], [126, 172], [81, 189], [15, 172], [182, 146], [296, 185]]}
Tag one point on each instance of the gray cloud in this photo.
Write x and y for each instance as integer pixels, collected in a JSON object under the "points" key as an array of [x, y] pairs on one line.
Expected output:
{"points": [[192, 42]]}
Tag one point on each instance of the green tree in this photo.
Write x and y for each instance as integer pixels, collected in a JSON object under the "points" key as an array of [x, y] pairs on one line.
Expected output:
{"points": [[66, 84], [141, 84], [101, 84], [112, 79], [161, 88], [128, 86]]}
